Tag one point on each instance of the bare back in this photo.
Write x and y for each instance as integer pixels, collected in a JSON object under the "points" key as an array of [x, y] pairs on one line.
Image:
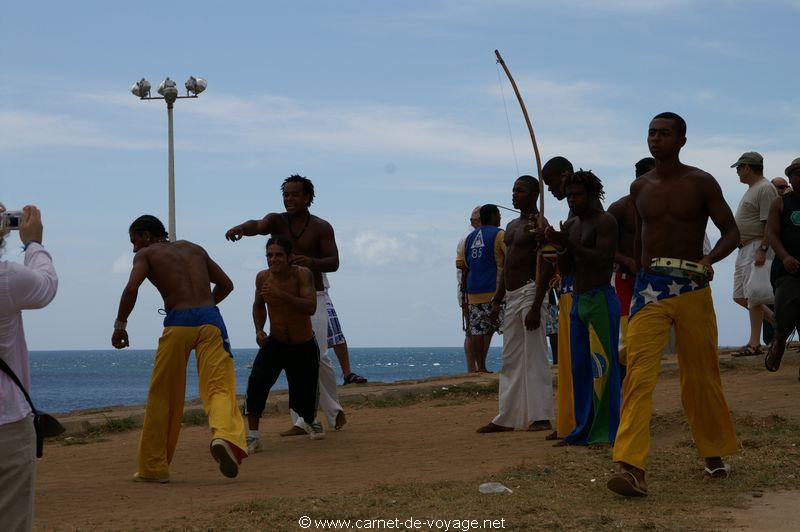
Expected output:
{"points": [[286, 323], [673, 211], [182, 272]]}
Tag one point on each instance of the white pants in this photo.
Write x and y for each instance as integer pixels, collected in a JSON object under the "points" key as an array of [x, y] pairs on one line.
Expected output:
{"points": [[745, 259], [17, 474], [328, 397], [526, 385]]}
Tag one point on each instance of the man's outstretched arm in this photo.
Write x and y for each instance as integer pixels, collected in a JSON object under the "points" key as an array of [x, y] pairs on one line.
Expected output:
{"points": [[264, 226]]}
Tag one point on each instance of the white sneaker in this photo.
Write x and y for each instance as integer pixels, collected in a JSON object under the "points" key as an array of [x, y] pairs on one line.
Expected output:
{"points": [[226, 454], [254, 445], [315, 430]]}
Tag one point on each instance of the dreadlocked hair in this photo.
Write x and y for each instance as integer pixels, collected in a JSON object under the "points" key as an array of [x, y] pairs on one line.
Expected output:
{"points": [[308, 186], [148, 223], [588, 180]]}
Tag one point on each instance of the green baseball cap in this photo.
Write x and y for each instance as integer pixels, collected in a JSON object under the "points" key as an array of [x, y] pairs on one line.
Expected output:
{"points": [[792, 167], [749, 157]]}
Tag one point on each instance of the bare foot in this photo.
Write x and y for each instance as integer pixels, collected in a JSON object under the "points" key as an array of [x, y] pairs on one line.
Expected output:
{"points": [[542, 424], [294, 431], [341, 420], [552, 436], [491, 427]]}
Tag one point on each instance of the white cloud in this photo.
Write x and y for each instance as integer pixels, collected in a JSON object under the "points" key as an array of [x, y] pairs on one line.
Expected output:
{"points": [[26, 129], [373, 248], [122, 264]]}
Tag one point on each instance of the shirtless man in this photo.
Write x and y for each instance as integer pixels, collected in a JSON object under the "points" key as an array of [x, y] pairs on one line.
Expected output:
{"points": [[314, 248], [673, 203], [183, 272], [625, 274], [588, 242], [287, 292], [554, 172], [526, 386]]}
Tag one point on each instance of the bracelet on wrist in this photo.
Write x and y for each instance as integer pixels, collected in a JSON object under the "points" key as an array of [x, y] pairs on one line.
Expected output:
{"points": [[120, 325]]}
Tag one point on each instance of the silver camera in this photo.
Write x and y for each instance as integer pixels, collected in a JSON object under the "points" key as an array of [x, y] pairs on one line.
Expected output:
{"points": [[10, 220]]}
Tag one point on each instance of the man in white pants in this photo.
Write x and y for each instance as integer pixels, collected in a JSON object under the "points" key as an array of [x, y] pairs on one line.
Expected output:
{"points": [[29, 286], [315, 248], [526, 385]]}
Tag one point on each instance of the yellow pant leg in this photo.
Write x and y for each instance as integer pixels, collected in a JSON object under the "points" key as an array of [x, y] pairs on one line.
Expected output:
{"points": [[565, 401], [701, 388], [164, 411], [648, 333], [217, 383]]}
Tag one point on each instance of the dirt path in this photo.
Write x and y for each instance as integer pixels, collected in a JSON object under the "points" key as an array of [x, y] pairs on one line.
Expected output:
{"points": [[89, 486]]}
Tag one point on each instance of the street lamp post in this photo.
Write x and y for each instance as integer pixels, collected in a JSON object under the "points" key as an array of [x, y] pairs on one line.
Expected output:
{"points": [[169, 93]]}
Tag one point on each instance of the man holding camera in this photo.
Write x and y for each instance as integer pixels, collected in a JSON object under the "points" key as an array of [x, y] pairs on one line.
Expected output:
{"points": [[25, 286]]}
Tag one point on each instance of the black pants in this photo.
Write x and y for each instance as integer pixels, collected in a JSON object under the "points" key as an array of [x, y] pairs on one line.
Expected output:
{"points": [[301, 363], [787, 305]]}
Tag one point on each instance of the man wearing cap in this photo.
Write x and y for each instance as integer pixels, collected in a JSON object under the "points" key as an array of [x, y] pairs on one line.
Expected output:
{"points": [[783, 230], [781, 185], [474, 222], [751, 219]]}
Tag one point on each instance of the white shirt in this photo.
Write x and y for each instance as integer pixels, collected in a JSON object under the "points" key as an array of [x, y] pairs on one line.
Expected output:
{"points": [[30, 286]]}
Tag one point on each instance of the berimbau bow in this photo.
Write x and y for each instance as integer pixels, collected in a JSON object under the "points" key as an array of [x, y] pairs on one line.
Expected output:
{"points": [[547, 251], [540, 219]]}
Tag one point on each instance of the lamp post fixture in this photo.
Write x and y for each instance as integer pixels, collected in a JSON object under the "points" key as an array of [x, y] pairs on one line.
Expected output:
{"points": [[169, 93]]}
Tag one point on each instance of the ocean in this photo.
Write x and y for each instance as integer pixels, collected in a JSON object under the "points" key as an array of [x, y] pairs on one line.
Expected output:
{"points": [[62, 381]]}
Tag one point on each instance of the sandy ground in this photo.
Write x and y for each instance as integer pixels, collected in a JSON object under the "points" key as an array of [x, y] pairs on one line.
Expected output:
{"points": [[90, 487]]}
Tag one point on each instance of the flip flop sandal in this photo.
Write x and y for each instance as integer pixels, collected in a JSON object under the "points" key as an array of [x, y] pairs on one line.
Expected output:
{"points": [[352, 378], [722, 472], [747, 351], [771, 362], [626, 484]]}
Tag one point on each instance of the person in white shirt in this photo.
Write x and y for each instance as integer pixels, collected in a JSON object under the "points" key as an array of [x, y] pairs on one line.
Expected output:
{"points": [[754, 250], [29, 286]]}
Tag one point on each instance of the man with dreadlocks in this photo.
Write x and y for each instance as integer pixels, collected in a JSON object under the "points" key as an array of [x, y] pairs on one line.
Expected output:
{"points": [[673, 203], [183, 272], [588, 242], [315, 249]]}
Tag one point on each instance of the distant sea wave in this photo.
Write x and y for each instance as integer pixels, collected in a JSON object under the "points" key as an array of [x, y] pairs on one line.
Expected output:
{"points": [[62, 381]]}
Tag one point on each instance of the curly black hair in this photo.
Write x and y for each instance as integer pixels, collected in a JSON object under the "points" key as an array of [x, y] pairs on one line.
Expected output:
{"points": [[149, 223], [592, 183], [308, 186]]}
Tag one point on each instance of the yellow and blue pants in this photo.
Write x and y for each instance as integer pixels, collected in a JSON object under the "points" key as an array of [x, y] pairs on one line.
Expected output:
{"points": [[594, 343], [565, 401], [202, 330], [661, 302]]}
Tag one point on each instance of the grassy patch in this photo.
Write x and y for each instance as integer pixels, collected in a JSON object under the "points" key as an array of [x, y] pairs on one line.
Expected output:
{"points": [[446, 395], [194, 418], [96, 433], [566, 493]]}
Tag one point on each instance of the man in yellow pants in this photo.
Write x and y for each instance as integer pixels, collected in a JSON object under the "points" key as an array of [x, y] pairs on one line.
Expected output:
{"points": [[183, 272], [554, 173], [673, 203]]}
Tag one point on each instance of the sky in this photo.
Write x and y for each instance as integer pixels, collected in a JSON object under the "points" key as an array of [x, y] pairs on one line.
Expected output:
{"points": [[397, 112]]}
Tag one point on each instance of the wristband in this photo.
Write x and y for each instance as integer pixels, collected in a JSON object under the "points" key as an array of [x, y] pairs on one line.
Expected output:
{"points": [[120, 325], [28, 243]]}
